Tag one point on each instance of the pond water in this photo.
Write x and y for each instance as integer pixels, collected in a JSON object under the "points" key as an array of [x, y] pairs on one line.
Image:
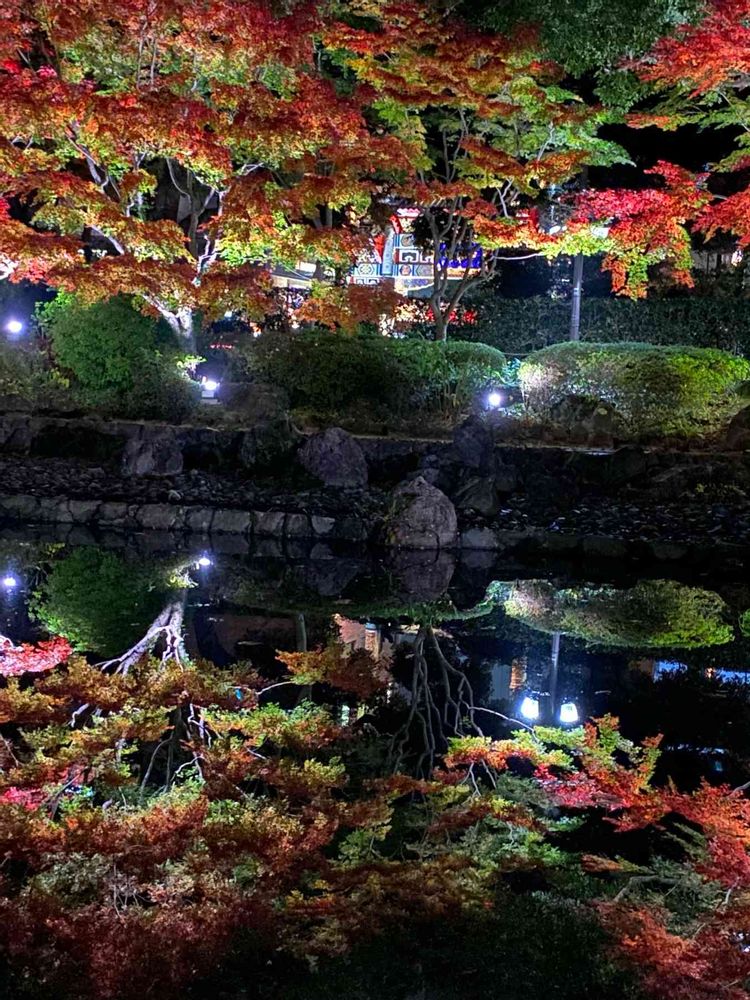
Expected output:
{"points": [[540, 644], [473, 646]]}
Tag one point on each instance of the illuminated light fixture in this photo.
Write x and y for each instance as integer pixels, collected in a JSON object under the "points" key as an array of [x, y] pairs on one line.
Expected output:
{"points": [[10, 582], [204, 562], [14, 326], [209, 388], [228, 314], [530, 708], [568, 713], [494, 399]]}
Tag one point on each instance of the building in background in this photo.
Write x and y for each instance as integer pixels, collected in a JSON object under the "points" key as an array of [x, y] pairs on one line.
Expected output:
{"points": [[396, 257]]}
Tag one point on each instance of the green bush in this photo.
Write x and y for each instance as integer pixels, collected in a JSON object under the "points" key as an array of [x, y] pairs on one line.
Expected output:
{"points": [[26, 377], [655, 391], [519, 326], [118, 360], [654, 613], [335, 373]]}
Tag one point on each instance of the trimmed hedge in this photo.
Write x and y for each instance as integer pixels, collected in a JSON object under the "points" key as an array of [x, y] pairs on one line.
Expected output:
{"points": [[330, 372], [654, 391], [654, 613], [518, 326]]}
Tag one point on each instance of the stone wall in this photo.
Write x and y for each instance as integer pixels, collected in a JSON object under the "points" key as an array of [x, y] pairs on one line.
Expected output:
{"points": [[520, 500], [178, 518], [107, 441]]}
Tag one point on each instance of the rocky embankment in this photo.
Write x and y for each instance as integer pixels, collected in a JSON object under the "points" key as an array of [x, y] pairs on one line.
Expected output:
{"points": [[469, 493]]}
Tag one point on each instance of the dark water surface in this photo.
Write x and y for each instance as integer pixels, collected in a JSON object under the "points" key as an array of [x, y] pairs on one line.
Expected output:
{"points": [[548, 643]]}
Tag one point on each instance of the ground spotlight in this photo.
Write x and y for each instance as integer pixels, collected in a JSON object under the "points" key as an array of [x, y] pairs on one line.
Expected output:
{"points": [[209, 388]]}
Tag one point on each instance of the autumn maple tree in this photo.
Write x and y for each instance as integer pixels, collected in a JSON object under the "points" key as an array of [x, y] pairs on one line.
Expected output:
{"points": [[497, 132], [698, 79], [175, 151], [701, 75]]}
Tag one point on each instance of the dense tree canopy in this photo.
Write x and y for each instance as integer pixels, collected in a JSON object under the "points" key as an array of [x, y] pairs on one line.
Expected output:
{"points": [[173, 151], [495, 131], [589, 35], [176, 151]]}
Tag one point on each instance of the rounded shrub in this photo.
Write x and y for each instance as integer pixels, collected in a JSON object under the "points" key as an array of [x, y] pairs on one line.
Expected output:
{"points": [[468, 352], [476, 368], [654, 613], [118, 360], [655, 391], [332, 372]]}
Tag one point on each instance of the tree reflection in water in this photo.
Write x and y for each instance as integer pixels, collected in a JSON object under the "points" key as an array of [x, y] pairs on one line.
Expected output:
{"points": [[165, 821]]}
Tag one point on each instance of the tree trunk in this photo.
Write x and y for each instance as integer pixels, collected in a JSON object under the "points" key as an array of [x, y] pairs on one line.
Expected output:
{"points": [[441, 321], [182, 322]]}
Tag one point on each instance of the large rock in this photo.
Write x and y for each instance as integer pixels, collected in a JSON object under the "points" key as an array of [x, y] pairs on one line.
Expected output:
{"points": [[738, 433], [16, 433], [152, 451], [269, 435], [422, 517], [480, 495], [474, 444], [335, 458], [678, 482]]}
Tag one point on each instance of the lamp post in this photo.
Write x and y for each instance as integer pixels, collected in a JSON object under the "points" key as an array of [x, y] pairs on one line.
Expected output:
{"points": [[575, 302]]}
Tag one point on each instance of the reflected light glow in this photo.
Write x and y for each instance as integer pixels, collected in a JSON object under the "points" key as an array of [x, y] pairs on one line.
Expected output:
{"points": [[530, 708], [568, 713]]}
